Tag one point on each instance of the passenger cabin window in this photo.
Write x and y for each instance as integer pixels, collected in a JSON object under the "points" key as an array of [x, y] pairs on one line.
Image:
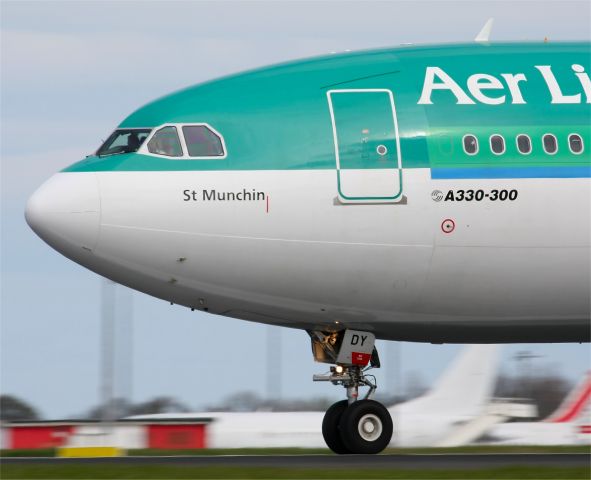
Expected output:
{"points": [[575, 143], [470, 144], [523, 144], [202, 141], [550, 144], [123, 141], [166, 142], [497, 144]]}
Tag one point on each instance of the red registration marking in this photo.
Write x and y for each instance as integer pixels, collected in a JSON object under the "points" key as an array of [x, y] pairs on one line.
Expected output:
{"points": [[585, 429], [358, 358]]}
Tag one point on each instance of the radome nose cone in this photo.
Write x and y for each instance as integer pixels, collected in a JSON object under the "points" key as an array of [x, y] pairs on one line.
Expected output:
{"points": [[65, 211]]}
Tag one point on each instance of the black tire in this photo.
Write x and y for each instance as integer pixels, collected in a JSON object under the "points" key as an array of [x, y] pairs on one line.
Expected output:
{"points": [[366, 427], [330, 427]]}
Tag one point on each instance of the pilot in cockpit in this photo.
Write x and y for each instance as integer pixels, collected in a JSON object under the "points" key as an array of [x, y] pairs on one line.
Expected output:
{"points": [[133, 142]]}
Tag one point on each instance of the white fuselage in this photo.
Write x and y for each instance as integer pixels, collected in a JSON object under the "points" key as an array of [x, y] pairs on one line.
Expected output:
{"points": [[538, 433], [301, 258]]}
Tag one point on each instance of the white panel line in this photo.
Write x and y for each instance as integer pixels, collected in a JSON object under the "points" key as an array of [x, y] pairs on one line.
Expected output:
{"points": [[240, 237]]}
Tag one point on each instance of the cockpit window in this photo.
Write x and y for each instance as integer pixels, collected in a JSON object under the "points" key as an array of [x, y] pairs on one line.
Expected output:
{"points": [[202, 142], [166, 142], [123, 141]]}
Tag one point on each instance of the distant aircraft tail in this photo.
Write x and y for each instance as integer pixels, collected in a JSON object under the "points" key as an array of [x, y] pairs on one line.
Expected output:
{"points": [[576, 404], [467, 384]]}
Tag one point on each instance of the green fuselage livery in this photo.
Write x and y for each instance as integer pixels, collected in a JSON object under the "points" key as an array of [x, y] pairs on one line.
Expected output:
{"points": [[277, 118]]}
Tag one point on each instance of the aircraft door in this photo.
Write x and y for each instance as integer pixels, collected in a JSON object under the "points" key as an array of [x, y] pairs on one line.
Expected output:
{"points": [[367, 147]]}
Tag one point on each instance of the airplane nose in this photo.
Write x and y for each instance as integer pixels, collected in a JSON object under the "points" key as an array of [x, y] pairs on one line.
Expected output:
{"points": [[65, 212]]}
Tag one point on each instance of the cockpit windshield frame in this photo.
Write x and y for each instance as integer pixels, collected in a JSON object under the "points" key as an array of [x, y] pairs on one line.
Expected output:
{"points": [[124, 140], [217, 155]]}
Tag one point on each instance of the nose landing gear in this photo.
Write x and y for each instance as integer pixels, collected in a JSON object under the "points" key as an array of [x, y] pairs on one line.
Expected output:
{"points": [[352, 425]]}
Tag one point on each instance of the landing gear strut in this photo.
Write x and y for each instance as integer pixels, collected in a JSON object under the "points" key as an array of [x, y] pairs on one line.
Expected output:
{"points": [[352, 425]]}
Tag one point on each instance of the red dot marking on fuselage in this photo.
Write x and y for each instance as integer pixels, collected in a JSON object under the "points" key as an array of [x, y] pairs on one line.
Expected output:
{"points": [[448, 225]]}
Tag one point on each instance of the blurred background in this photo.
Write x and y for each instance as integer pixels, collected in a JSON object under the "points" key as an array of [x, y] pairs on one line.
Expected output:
{"points": [[70, 72]]}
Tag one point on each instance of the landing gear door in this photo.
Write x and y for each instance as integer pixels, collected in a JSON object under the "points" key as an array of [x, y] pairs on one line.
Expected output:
{"points": [[356, 348], [367, 147]]}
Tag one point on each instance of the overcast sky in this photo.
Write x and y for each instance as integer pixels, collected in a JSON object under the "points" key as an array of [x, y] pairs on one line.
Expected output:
{"points": [[71, 71]]}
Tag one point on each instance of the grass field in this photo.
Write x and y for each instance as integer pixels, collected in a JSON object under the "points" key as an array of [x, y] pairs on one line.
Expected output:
{"points": [[181, 472]]}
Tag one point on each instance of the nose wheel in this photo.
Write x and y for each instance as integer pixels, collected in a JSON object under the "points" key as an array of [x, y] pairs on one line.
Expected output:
{"points": [[352, 425], [331, 427], [365, 427]]}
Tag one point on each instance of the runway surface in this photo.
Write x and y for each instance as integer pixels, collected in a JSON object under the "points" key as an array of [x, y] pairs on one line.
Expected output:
{"points": [[418, 461]]}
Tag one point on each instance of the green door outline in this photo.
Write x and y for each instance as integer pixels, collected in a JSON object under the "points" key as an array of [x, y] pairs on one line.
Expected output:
{"points": [[365, 134]]}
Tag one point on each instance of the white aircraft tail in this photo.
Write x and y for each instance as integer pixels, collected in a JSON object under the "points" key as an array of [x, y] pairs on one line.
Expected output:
{"points": [[484, 34], [465, 388], [576, 405]]}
